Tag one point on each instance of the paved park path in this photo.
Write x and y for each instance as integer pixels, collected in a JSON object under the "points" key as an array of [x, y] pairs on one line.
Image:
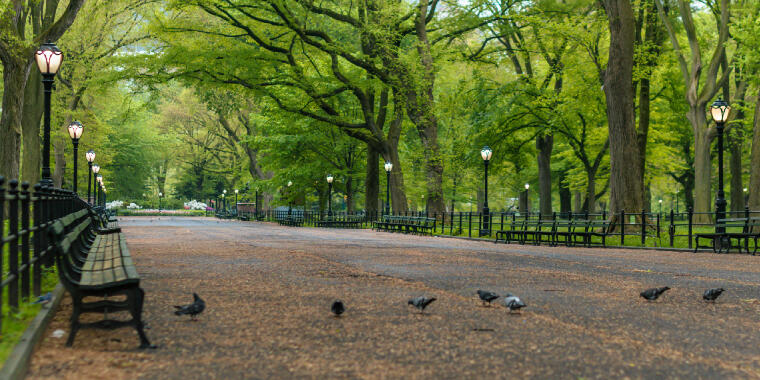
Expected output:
{"points": [[268, 291]]}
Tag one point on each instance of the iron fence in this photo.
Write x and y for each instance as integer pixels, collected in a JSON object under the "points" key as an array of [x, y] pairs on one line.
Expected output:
{"points": [[25, 215]]}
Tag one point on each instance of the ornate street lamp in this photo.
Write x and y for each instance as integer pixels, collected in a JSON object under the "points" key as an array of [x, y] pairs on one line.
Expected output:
{"points": [[75, 132], [485, 154], [388, 168], [95, 170], [746, 197], [720, 110], [90, 156], [48, 58], [660, 201], [99, 184], [160, 195], [329, 195]]}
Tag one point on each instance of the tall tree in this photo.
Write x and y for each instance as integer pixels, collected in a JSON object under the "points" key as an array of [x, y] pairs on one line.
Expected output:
{"points": [[18, 43], [700, 89], [626, 187]]}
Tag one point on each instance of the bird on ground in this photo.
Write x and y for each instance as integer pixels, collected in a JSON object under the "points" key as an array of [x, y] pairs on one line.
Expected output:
{"points": [[421, 302], [712, 294], [513, 302], [338, 308], [487, 296], [654, 293], [43, 299], [192, 309]]}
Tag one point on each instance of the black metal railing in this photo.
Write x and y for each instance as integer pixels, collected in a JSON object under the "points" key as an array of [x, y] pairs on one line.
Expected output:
{"points": [[25, 214], [646, 229]]}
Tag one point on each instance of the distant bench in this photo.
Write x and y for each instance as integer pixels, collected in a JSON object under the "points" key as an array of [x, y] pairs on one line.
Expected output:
{"points": [[291, 220], [406, 224], [95, 262], [349, 221], [555, 232]]}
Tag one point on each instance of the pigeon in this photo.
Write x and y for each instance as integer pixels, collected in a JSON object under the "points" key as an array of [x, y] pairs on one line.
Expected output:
{"points": [[654, 293], [513, 302], [712, 294], [421, 302], [192, 309], [487, 296], [43, 299], [338, 308]]}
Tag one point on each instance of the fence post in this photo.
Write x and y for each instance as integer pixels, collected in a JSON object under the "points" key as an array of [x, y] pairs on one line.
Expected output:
{"points": [[13, 247], [672, 227], [25, 240], [469, 223], [691, 215], [622, 227], [643, 227], [746, 212]]}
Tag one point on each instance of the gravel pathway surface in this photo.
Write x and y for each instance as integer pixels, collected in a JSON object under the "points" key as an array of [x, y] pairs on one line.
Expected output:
{"points": [[268, 291]]}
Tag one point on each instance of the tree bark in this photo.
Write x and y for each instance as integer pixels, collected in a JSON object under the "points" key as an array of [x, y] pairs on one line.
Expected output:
{"points": [[734, 140], [59, 152], [625, 162], [703, 200], [565, 198], [15, 72], [577, 202], [544, 145], [754, 175], [372, 182], [30, 122]]}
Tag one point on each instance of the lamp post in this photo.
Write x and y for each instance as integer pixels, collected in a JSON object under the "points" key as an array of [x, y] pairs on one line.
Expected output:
{"points": [[290, 203], [160, 194], [329, 195], [388, 168], [660, 201], [99, 184], [720, 111], [75, 132], [256, 205], [90, 156], [527, 204], [746, 197], [49, 59], [95, 170], [236, 193], [485, 230]]}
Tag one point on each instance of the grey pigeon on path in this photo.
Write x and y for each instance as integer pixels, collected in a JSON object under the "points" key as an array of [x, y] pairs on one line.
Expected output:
{"points": [[192, 309], [654, 293], [421, 302], [338, 308], [712, 294], [487, 296], [513, 302], [43, 299]]}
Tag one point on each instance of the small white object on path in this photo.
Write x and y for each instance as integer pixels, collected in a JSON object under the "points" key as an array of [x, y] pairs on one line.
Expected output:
{"points": [[58, 333]]}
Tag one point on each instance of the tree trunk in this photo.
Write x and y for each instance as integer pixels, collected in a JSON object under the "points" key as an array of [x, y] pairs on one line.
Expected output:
{"points": [[421, 111], [565, 197], [702, 166], [589, 204], [15, 74], [523, 202], [577, 201], [30, 122], [59, 152], [754, 174], [398, 192], [349, 195], [625, 162], [735, 169], [372, 182], [544, 145]]}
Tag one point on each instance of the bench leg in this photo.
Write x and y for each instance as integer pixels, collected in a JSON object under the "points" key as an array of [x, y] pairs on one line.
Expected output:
{"points": [[74, 325], [138, 296]]}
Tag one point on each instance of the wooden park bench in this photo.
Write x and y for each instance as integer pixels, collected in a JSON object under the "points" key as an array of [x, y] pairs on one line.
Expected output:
{"points": [[96, 263], [291, 220], [406, 224], [350, 221], [738, 229], [513, 232]]}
